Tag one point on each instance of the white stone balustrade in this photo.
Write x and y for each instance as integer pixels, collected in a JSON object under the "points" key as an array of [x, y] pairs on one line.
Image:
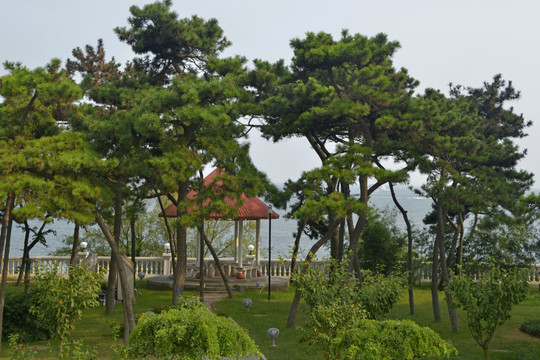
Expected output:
{"points": [[152, 266]]}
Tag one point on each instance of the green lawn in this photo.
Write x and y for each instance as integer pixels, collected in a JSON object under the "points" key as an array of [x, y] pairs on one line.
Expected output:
{"points": [[508, 343]]}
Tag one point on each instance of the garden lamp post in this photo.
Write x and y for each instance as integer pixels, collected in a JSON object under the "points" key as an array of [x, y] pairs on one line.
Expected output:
{"points": [[167, 247], [269, 250]]}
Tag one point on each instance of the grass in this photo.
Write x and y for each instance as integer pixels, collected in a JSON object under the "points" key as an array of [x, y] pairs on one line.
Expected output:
{"points": [[509, 342]]}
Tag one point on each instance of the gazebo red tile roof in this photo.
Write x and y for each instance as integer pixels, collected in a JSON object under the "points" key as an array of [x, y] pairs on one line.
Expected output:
{"points": [[252, 208]]}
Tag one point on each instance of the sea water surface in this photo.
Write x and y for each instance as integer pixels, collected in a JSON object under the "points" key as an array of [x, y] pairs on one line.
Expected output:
{"points": [[282, 228]]}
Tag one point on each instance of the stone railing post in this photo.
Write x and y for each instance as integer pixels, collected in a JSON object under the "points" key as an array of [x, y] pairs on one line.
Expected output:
{"points": [[167, 263], [81, 255]]}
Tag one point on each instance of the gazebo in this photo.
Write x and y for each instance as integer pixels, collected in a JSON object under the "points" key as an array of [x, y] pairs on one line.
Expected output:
{"points": [[251, 208]]}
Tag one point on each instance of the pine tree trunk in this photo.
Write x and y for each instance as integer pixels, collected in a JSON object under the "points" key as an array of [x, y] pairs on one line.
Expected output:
{"points": [[116, 263], [441, 217], [75, 244], [129, 316], [110, 298], [354, 264], [179, 271], [435, 283], [296, 246], [216, 260], [5, 235], [410, 279], [26, 253]]}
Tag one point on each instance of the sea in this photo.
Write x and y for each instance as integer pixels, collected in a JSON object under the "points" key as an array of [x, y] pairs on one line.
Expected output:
{"points": [[282, 229]]}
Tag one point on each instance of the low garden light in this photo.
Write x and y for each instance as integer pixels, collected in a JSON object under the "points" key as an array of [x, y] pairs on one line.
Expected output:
{"points": [[251, 248], [167, 247], [84, 244]]}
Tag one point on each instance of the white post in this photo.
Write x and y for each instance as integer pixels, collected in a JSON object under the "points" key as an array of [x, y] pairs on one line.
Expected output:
{"points": [[236, 242], [167, 263], [258, 242], [240, 238]]}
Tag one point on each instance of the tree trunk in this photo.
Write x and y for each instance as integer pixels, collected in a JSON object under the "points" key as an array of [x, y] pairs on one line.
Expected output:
{"points": [[410, 279], [435, 283], [25, 256], [75, 244], [455, 239], [129, 316], [169, 232], [110, 298], [202, 270], [179, 271], [133, 249], [5, 238], [296, 246], [441, 217], [354, 264], [297, 295], [115, 263], [216, 260]]}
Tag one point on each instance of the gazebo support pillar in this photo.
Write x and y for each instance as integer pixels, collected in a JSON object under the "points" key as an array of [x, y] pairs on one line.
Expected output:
{"points": [[240, 240], [258, 242], [236, 241]]}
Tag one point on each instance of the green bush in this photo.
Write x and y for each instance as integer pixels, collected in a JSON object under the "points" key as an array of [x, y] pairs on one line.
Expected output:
{"points": [[376, 293], [390, 340], [60, 301], [189, 331], [382, 243], [18, 320], [531, 327]]}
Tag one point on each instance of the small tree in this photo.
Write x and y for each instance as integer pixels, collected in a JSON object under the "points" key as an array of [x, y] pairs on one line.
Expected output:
{"points": [[489, 300], [59, 301]]}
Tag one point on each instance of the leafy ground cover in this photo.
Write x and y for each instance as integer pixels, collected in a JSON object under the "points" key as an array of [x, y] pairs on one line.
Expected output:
{"points": [[509, 343]]}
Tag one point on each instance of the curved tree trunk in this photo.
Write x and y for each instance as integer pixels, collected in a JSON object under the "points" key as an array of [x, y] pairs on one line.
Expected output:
{"points": [[169, 231], [129, 315], [410, 279], [26, 254], [296, 246], [216, 260]]}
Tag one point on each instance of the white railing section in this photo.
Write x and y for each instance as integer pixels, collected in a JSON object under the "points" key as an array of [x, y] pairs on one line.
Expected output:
{"points": [[152, 266]]}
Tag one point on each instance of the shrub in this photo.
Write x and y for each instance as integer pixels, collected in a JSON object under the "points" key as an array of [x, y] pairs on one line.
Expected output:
{"points": [[531, 327], [333, 283], [19, 321], [59, 301], [390, 340], [189, 331], [382, 243]]}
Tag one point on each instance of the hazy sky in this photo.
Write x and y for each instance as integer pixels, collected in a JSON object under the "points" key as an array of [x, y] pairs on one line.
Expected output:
{"points": [[460, 41]]}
